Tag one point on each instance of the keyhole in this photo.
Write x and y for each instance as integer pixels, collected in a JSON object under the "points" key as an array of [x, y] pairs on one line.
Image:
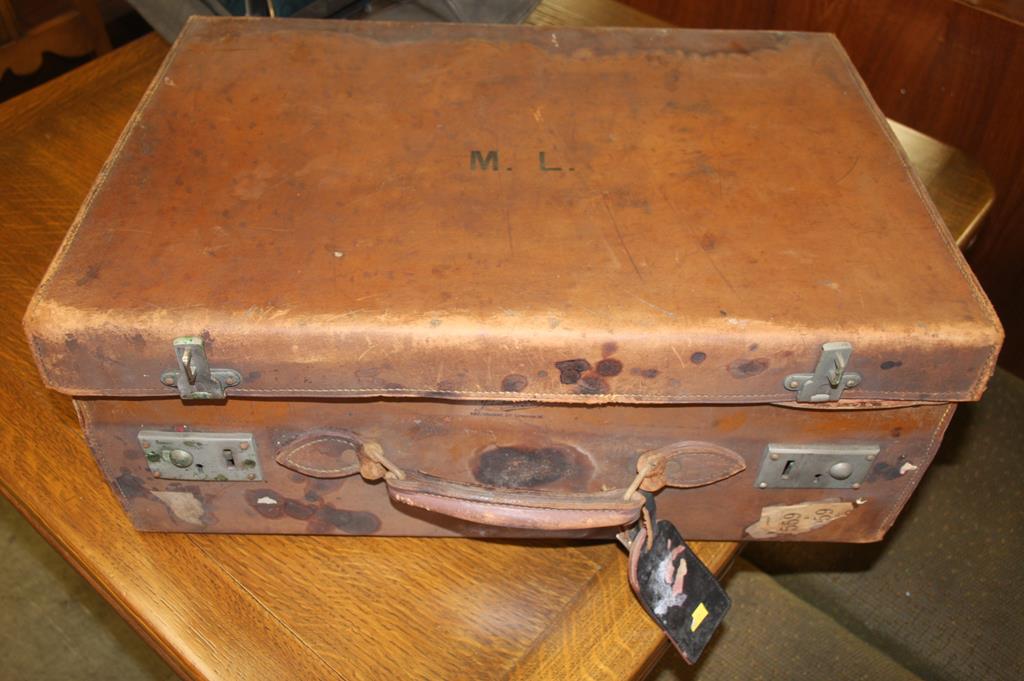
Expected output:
{"points": [[229, 457], [788, 468]]}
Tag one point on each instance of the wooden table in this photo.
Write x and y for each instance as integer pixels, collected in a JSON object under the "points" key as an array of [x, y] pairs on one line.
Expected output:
{"points": [[243, 607]]}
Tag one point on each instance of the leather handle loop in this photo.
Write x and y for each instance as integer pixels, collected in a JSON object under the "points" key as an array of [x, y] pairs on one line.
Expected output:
{"points": [[688, 464], [322, 453], [527, 509]]}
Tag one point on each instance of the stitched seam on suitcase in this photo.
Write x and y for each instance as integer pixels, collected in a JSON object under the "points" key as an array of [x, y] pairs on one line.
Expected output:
{"points": [[928, 452], [933, 213], [528, 396], [770, 398]]}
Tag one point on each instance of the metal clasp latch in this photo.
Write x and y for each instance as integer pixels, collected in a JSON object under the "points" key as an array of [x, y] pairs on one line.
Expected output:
{"points": [[830, 377], [194, 377]]}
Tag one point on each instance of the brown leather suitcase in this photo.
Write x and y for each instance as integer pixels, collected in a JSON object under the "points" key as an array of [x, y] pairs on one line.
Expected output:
{"points": [[362, 278]]}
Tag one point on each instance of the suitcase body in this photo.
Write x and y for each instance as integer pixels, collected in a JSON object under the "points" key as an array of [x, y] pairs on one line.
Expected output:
{"points": [[565, 449], [489, 281]]}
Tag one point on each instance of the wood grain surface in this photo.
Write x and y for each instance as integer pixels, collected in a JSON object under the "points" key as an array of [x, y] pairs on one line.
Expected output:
{"points": [[245, 607]]}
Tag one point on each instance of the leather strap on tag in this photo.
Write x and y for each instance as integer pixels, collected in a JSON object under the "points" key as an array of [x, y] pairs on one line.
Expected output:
{"points": [[678, 591]]}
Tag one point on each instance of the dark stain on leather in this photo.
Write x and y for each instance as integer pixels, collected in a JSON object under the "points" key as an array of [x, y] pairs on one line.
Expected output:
{"points": [[745, 368], [698, 357], [131, 486], [570, 370], [707, 242], [298, 510], [896, 432], [883, 471], [92, 273], [609, 367], [323, 519], [645, 373], [753, 346], [891, 364], [103, 357], [609, 349], [70, 342], [328, 520], [591, 384], [514, 383], [447, 386], [528, 467]]}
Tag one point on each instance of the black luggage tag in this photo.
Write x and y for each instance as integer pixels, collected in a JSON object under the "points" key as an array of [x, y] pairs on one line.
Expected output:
{"points": [[675, 587]]}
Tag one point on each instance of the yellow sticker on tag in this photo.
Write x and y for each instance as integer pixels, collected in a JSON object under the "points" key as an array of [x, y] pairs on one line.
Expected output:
{"points": [[699, 613]]}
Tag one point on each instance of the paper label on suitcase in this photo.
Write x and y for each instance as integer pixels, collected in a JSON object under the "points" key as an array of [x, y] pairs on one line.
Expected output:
{"points": [[678, 591]]}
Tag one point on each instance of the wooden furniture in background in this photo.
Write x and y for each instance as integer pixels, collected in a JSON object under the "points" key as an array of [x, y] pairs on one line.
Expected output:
{"points": [[957, 184], [240, 607], [68, 29], [952, 69]]}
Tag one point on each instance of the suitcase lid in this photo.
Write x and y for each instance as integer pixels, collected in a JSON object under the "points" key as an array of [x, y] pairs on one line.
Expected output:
{"points": [[344, 209]]}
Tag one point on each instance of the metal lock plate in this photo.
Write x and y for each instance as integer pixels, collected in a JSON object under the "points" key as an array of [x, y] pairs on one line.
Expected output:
{"points": [[823, 466], [201, 456]]}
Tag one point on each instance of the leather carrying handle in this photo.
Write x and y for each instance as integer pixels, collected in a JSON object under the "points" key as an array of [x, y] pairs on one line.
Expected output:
{"points": [[332, 453], [526, 509], [682, 464]]}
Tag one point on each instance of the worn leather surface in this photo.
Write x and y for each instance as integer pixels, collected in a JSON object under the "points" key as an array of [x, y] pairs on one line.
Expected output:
{"points": [[503, 451], [301, 194]]}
